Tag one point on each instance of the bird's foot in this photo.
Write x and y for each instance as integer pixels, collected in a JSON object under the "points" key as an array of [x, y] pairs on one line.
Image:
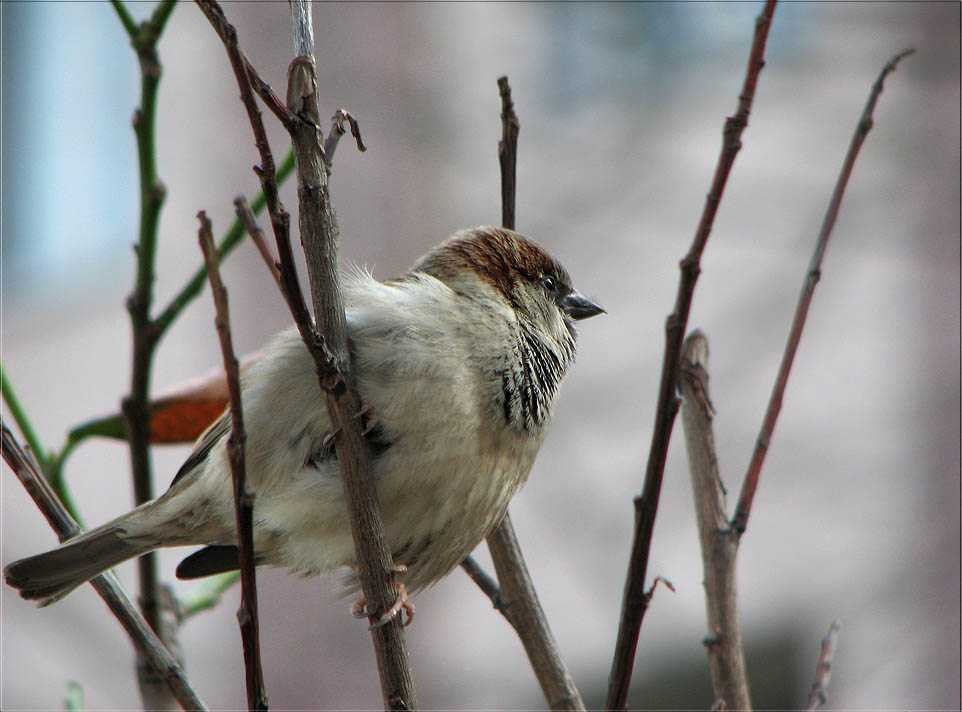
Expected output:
{"points": [[401, 603], [368, 418]]}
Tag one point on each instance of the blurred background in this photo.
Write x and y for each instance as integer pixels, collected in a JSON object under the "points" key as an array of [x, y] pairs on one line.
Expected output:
{"points": [[621, 109]]}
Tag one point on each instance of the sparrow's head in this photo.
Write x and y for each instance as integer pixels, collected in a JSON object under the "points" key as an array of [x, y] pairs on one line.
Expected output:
{"points": [[515, 278], [534, 284]]}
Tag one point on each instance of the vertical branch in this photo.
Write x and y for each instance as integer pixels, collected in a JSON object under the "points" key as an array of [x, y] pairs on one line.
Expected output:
{"points": [[152, 193], [508, 154], [243, 497], [517, 598], [148, 645], [318, 227], [750, 485], [144, 332], [634, 602], [719, 542]]}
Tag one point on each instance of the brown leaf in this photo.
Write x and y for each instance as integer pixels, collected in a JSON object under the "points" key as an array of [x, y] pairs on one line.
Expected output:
{"points": [[179, 416]]}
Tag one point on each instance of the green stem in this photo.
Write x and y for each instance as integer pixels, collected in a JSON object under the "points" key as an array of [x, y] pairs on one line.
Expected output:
{"points": [[208, 594], [74, 701], [158, 21], [125, 19], [233, 237], [21, 419], [51, 464], [144, 333], [59, 483]]}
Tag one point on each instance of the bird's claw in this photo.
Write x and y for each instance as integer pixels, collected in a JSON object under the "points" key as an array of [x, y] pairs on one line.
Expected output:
{"points": [[401, 603], [368, 418]]}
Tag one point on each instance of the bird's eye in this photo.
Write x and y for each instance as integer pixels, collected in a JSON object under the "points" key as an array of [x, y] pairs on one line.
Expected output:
{"points": [[549, 282]]}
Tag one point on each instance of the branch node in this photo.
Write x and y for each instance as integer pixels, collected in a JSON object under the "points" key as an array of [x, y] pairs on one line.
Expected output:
{"points": [[649, 594], [337, 130]]}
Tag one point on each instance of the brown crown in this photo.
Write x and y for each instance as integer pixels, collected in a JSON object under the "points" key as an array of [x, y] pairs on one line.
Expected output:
{"points": [[500, 257]]}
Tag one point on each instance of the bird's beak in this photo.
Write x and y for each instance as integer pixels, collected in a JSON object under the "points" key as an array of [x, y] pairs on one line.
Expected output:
{"points": [[579, 307]]}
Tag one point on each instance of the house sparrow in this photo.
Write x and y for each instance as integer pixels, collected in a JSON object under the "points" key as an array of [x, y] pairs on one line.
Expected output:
{"points": [[460, 360]]}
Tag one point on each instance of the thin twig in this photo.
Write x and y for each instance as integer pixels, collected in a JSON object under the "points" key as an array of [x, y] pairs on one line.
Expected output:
{"points": [[719, 542], [750, 485], [243, 497], [246, 216], [508, 154], [634, 605], [337, 130], [823, 671], [144, 639], [20, 418], [487, 584], [517, 596]]}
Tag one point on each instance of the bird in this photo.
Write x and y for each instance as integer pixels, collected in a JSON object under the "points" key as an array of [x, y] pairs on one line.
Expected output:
{"points": [[458, 363]]}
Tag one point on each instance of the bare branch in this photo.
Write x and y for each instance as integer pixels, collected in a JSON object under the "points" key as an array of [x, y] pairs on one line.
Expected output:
{"points": [[143, 637], [243, 497], [823, 671], [487, 584], [750, 485], [523, 610], [508, 154], [634, 605], [319, 238], [719, 542]]}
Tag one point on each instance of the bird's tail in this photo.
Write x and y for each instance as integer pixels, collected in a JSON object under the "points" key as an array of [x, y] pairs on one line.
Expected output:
{"points": [[48, 577]]}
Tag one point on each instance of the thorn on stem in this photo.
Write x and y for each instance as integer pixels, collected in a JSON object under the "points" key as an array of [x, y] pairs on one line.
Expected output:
{"points": [[651, 591]]}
